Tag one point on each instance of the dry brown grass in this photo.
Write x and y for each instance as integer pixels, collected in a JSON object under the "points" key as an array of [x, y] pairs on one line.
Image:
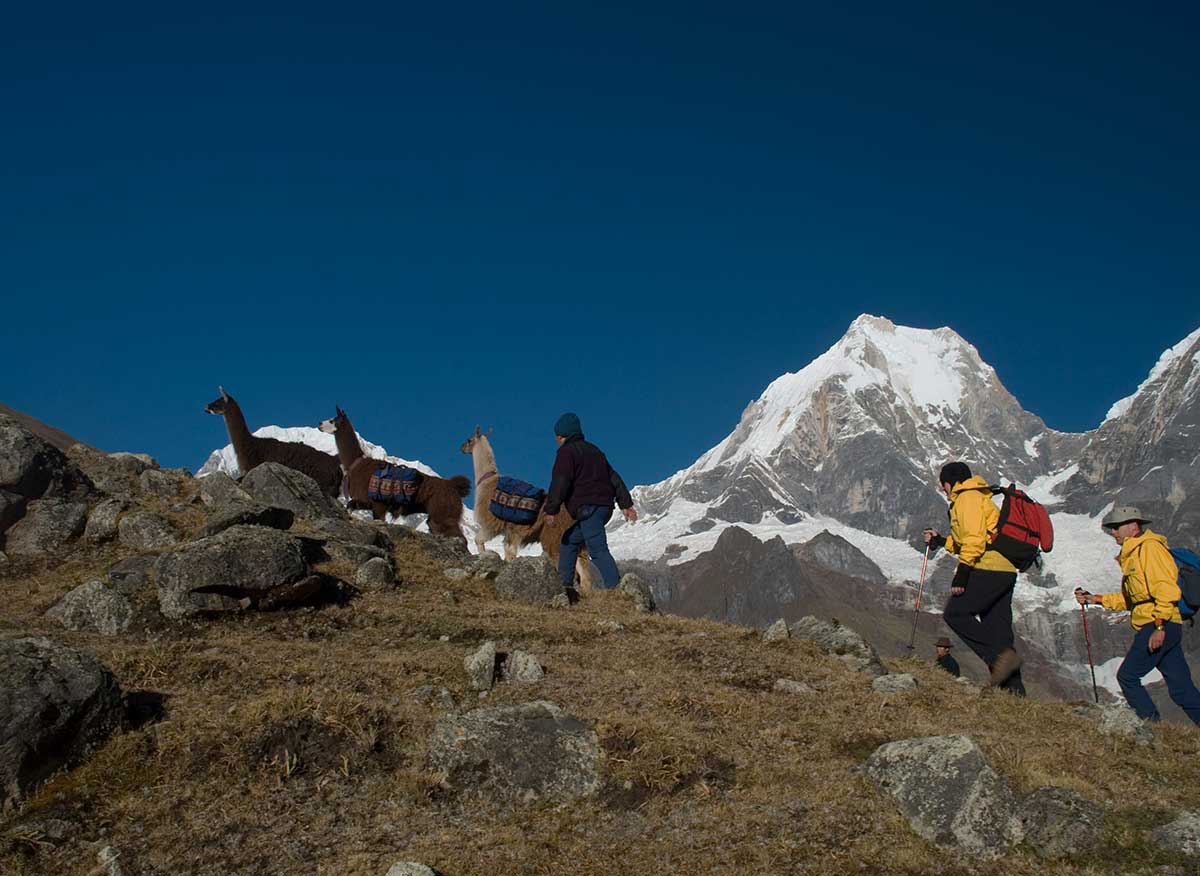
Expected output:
{"points": [[293, 744]]}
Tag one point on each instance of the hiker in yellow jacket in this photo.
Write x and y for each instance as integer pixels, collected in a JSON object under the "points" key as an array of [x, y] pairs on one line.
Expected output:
{"points": [[980, 606], [1150, 593]]}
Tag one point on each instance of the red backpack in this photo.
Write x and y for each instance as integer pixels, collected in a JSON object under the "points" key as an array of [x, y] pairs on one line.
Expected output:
{"points": [[1024, 531]]}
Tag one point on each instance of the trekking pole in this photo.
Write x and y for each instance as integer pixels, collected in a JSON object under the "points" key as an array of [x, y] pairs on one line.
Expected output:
{"points": [[1091, 663], [920, 589]]}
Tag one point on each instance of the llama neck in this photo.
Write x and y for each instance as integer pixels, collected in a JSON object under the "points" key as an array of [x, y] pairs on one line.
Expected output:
{"points": [[483, 458], [239, 433], [347, 445]]}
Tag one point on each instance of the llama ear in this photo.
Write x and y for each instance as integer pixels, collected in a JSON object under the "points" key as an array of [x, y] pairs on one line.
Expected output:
{"points": [[477, 432], [339, 410], [221, 390], [489, 434]]}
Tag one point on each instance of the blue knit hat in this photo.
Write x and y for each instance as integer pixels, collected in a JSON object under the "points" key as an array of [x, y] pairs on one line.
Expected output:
{"points": [[567, 426]]}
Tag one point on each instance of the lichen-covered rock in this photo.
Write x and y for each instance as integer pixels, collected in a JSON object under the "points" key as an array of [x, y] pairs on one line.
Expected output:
{"points": [[840, 641], [375, 574], [1117, 719], [487, 565], [948, 792], [638, 591], [95, 608], [215, 573], [32, 468], [529, 579], [146, 531], [131, 574], [56, 704], [46, 529], [480, 666], [154, 482], [219, 488], [894, 682], [102, 522], [522, 667], [1059, 823], [791, 686], [529, 752], [1182, 835], [777, 632], [275, 484], [409, 868], [250, 513], [350, 531]]}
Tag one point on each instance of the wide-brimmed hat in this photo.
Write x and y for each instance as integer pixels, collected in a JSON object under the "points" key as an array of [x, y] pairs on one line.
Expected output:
{"points": [[1124, 514], [943, 642]]}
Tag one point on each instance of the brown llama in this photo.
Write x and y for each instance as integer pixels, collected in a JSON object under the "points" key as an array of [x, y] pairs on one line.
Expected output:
{"points": [[439, 498], [252, 450], [516, 535]]}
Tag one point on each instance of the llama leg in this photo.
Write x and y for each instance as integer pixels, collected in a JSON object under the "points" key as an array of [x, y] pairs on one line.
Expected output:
{"points": [[511, 546], [584, 571]]}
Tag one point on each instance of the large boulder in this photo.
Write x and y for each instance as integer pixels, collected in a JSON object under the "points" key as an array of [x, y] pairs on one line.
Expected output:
{"points": [[1060, 823], [275, 484], [948, 792], [32, 468], [56, 704], [154, 482], [223, 516], [147, 531], [102, 522], [216, 573], [351, 531], [638, 591], [219, 488], [114, 474], [46, 528], [529, 579], [95, 608], [375, 574], [528, 752], [131, 574], [841, 642]]}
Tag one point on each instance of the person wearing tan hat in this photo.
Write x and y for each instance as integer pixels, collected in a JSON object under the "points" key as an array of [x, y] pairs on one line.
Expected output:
{"points": [[944, 659], [1150, 593]]}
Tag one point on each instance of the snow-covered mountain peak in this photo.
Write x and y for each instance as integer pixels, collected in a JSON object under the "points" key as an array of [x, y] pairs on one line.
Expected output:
{"points": [[1166, 362]]}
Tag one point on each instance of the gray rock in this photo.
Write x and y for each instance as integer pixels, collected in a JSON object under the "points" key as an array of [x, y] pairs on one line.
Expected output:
{"points": [[146, 531], [1117, 719], [529, 579], [375, 574], [481, 666], [56, 704], [409, 868], [777, 632], [429, 695], [487, 566], [219, 488], [95, 608], [158, 483], [791, 686], [250, 513], [12, 508], [560, 601], [638, 591], [456, 574], [351, 553], [840, 641], [1061, 824], [131, 574], [522, 667], [46, 528], [1181, 835], [32, 468], [351, 532], [894, 682], [102, 522], [274, 484], [948, 792], [529, 752], [114, 474], [109, 859], [610, 626], [214, 574]]}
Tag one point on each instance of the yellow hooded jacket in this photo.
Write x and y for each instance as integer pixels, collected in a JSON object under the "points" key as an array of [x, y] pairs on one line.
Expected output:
{"points": [[1149, 581], [974, 519]]}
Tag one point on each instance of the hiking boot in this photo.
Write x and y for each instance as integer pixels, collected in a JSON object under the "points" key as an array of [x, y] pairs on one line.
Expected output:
{"points": [[1006, 664], [572, 595]]}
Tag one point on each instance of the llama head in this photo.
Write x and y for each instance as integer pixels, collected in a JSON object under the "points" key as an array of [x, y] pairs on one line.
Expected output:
{"points": [[337, 421], [468, 446], [218, 405]]}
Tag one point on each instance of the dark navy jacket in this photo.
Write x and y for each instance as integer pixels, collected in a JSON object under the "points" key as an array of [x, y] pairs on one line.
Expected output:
{"points": [[582, 476]]}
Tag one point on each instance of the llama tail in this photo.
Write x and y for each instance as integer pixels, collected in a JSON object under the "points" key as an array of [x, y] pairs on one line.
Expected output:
{"points": [[461, 484]]}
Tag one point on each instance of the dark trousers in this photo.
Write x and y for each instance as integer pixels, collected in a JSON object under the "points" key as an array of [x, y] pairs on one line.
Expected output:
{"points": [[588, 529], [1168, 660], [982, 618]]}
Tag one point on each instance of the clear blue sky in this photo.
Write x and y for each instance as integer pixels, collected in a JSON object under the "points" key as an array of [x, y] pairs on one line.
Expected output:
{"points": [[437, 215]]}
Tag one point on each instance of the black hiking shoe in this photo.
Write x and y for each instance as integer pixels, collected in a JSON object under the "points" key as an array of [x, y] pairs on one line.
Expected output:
{"points": [[572, 595], [1006, 664]]}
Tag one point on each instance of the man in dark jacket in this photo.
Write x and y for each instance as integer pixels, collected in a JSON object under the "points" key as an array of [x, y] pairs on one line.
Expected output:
{"points": [[944, 659], [585, 482]]}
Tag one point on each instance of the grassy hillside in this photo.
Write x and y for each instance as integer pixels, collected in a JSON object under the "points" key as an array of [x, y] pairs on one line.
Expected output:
{"points": [[293, 742]]}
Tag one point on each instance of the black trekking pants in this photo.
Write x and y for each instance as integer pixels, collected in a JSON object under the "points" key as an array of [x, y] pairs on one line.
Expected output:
{"points": [[982, 618]]}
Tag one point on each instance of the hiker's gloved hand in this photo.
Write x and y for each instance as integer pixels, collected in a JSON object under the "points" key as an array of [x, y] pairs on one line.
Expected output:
{"points": [[959, 585], [933, 539]]}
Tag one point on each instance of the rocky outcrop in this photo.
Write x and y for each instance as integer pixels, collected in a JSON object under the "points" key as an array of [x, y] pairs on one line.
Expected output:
{"points": [[32, 468], [950, 795], [46, 529], [95, 608], [56, 704], [833, 552], [275, 484], [527, 753], [216, 574], [529, 579]]}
